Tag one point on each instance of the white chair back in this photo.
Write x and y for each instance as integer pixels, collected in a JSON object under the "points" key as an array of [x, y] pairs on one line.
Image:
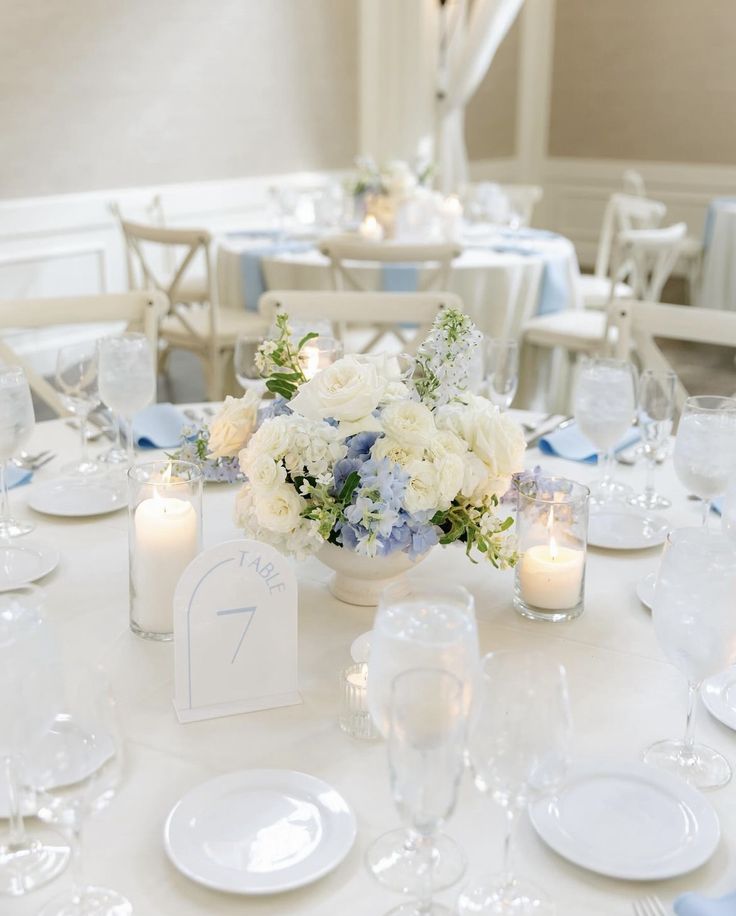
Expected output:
{"points": [[633, 183], [650, 256], [139, 310], [623, 212], [523, 198]]}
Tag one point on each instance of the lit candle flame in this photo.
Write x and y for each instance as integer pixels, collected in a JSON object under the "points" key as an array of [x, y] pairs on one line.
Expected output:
{"points": [[311, 362]]}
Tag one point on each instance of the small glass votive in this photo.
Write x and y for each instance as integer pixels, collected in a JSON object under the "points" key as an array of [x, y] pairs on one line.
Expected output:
{"points": [[355, 719], [164, 535], [552, 531], [319, 353]]}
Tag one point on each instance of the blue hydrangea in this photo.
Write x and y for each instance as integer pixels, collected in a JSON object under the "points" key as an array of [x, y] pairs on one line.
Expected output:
{"points": [[360, 445]]}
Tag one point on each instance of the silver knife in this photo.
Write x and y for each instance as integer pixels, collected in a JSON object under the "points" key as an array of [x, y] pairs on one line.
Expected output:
{"points": [[533, 440]]}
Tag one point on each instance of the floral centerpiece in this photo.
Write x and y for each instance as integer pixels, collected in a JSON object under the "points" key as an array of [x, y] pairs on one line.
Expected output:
{"points": [[358, 463], [379, 191]]}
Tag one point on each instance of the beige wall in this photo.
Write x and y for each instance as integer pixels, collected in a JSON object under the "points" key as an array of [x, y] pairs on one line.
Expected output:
{"points": [[645, 79], [490, 118], [119, 93]]}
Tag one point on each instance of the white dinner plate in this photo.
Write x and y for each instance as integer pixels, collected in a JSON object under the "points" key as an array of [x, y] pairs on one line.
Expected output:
{"points": [[23, 560], [76, 498], [645, 590], [626, 529], [259, 831], [628, 821], [719, 696]]}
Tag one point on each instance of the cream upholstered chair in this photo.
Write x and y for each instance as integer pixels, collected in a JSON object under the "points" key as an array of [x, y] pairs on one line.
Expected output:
{"points": [[640, 324], [523, 198], [140, 311], [194, 322], [345, 307]]}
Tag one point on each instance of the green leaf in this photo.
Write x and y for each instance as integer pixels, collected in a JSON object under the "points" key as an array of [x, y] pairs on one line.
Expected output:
{"points": [[285, 389], [348, 488], [287, 376], [306, 339]]}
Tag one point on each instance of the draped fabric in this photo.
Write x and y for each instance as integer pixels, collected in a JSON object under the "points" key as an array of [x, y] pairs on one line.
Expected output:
{"points": [[474, 40]]}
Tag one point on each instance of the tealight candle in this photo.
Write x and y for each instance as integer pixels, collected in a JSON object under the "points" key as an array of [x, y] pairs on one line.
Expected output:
{"points": [[318, 354], [355, 718], [551, 577], [370, 229]]}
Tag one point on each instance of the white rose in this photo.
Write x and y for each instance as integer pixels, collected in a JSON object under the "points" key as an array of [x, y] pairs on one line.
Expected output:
{"points": [[272, 439], [422, 489], [474, 479], [279, 509], [349, 389], [265, 474], [408, 422], [233, 425], [499, 442], [395, 391], [399, 452], [444, 442], [450, 478]]}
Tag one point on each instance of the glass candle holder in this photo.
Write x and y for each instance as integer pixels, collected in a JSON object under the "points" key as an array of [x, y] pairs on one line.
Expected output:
{"points": [[355, 719], [552, 530], [164, 535], [318, 354]]}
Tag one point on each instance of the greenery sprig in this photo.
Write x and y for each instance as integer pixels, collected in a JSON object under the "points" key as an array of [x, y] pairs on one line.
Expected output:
{"points": [[278, 360]]}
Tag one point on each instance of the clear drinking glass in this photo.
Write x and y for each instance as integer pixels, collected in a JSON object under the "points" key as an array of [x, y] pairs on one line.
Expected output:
{"points": [[605, 406], [244, 362], [75, 769], [127, 384], [426, 742], [519, 739], [705, 447], [502, 371], [426, 628], [29, 685], [16, 425], [76, 378], [655, 412], [695, 625]]}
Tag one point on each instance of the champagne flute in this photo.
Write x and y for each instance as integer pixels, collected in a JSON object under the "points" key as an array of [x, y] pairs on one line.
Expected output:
{"points": [[605, 406], [705, 447], [76, 378], [424, 628], [655, 411], [519, 739], [426, 743], [16, 424], [695, 625], [127, 383], [502, 371], [75, 769]]}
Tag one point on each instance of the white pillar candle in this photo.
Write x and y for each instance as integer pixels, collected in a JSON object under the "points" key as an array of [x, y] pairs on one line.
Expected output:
{"points": [[551, 577], [166, 540], [370, 229]]}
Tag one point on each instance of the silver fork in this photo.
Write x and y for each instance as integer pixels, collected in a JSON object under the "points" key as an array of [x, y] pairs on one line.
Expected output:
{"points": [[39, 462], [25, 460], [649, 906]]}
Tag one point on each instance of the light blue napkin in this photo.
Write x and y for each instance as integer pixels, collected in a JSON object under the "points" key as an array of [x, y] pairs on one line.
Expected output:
{"points": [[570, 443], [710, 217], [555, 293], [527, 232], [159, 426], [399, 278], [717, 507], [254, 284], [697, 905], [514, 249], [16, 477]]}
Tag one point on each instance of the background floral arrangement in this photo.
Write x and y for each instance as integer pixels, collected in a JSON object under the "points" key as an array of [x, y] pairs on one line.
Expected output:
{"points": [[396, 179], [368, 461]]}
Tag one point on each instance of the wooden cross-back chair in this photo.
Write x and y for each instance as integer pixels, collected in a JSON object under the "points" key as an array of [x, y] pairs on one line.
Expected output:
{"points": [[141, 311], [649, 256]]}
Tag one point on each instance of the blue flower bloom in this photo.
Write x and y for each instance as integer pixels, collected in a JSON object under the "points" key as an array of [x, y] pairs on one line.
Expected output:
{"points": [[360, 445], [279, 407], [343, 469]]}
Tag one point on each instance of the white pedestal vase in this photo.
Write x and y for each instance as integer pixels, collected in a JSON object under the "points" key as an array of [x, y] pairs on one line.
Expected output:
{"points": [[360, 580]]}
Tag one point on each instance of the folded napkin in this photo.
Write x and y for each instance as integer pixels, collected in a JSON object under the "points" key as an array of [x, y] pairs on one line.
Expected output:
{"points": [[16, 477], [717, 507], [569, 442], [514, 249], [697, 905], [159, 426]]}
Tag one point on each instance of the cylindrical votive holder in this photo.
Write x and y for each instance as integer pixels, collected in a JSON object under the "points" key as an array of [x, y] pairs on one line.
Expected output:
{"points": [[318, 354], [552, 532], [355, 719], [164, 535]]}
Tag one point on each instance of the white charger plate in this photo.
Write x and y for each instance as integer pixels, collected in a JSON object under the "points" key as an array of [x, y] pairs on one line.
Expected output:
{"points": [[77, 497], [629, 821], [626, 529], [719, 696], [23, 560], [645, 590], [259, 831]]}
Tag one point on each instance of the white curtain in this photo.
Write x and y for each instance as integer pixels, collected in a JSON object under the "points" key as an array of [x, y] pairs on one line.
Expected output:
{"points": [[474, 40]]}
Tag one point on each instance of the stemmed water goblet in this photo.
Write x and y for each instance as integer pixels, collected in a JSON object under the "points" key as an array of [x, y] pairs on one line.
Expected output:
{"points": [[655, 411], [519, 738], [502, 371], [426, 741], [705, 447], [425, 628], [605, 406], [16, 424], [127, 384], [695, 625], [244, 363], [76, 378]]}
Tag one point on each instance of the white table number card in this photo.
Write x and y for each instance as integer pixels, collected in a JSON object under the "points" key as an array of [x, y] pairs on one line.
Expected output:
{"points": [[235, 632]]}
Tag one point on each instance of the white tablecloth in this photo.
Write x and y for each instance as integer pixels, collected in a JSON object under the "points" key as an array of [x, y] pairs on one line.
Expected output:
{"points": [[718, 290], [624, 696]]}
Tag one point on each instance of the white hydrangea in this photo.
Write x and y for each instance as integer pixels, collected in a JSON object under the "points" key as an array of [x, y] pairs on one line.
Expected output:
{"points": [[302, 539]]}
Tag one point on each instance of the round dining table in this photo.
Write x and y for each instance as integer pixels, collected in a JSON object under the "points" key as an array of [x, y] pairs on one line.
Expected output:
{"points": [[624, 696]]}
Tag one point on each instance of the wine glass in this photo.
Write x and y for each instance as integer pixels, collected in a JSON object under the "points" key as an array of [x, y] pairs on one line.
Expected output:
{"points": [[705, 447], [519, 738], [502, 371], [424, 628], [426, 743], [655, 411], [75, 769], [605, 405], [695, 625], [16, 424], [29, 679], [127, 383], [76, 378], [244, 363]]}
